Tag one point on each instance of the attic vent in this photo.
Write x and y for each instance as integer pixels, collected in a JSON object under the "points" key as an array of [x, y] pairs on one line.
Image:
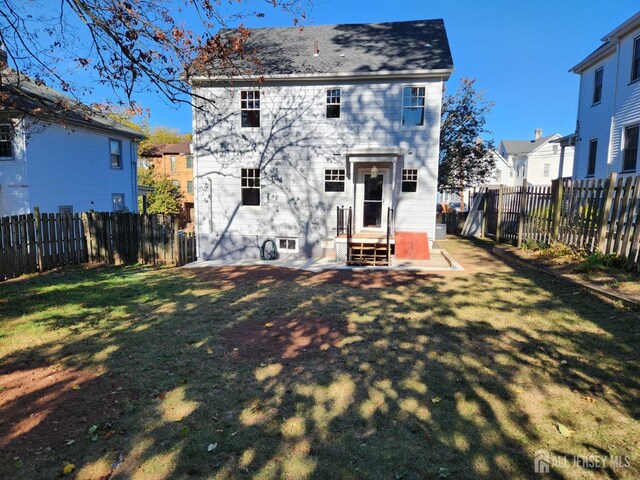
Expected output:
{"points": [[316, 50]]}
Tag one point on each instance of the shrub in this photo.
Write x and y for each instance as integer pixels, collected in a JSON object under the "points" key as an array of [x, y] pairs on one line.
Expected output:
{"points": [[599, 261]]}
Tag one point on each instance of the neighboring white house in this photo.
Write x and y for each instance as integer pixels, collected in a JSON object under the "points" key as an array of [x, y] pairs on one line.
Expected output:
{"points": [[609, 105], [82, 161], [539, 161], [345, 116]]}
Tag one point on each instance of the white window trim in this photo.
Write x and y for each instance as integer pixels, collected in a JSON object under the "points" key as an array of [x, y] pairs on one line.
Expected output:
{"points": [[424, 108], [124, 202], [636, 40], [326, 104], [595, 163], [324, 181], [595, 75], [13, 146], [259, 109], [121, 167], [623, 146], [286, 250], [251, 207], [410, 194]]}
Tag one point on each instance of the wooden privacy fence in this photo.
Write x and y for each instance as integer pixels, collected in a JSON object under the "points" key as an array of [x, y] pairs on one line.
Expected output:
{"points": [[40, 242], [589, 214]]}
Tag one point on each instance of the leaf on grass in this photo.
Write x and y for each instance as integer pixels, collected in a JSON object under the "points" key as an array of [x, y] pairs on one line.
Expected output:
{"points": [[212, 447], [94, 438], [71, 441], [185, 430], [435, 400], [564, 430], [443, 472], [68, 468], [93, 429], [268, 324], [75, 387]]}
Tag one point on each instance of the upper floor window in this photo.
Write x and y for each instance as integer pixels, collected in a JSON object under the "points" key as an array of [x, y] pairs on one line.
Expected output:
{"points": [[593, 151], [6, 141], [410, 180], [250, 108], [250, 186], [333, 103], [189, 186], [547, 169], [635, 68], [117, 200], [630, 157], [173, 163], [189, 161], [413, 101], [334, 180], [597, 85], [115, 150]]}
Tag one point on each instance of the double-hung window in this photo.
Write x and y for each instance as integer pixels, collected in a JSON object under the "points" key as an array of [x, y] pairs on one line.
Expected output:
{"points": [[630, 157], [334, 180], [250, 108], [547, 169], [117, 200], [410, 180], [597, 85], [250, 186], [413, 102], [333, 103], [635, 66], [189, 186], [189, 161], [115, 150], [6, 142], [173, 164], [593, 152]]}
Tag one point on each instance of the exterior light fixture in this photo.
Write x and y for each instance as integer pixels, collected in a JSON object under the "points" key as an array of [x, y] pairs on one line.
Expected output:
{"points": [[374, 172]]}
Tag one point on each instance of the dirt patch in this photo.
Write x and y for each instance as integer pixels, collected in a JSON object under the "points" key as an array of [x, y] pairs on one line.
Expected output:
{"points": [[42, 408], [283, 339]]}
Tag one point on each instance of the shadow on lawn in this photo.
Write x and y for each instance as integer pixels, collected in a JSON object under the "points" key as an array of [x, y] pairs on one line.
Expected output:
{"points": [[298, 375]]}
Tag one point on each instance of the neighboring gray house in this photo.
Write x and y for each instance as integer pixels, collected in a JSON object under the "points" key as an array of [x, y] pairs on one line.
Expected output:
{"points": [[609, 105], [76, 161], [344, 116]]}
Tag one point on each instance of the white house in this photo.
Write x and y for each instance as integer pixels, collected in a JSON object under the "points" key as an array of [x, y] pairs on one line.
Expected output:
{"points": [[344, 116], [77, 162], [539, 161], [609, 105]]}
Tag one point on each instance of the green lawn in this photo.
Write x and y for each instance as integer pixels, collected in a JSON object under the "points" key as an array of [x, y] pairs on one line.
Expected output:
{"points": [[138, 373]]}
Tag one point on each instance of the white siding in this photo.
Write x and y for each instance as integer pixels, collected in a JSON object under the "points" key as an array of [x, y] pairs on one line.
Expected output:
{"points": [[606, 121], [548, 154], [292, 147]]}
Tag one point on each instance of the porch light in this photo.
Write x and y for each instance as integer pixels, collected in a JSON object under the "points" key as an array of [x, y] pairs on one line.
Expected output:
{"points": [[374, 172]]}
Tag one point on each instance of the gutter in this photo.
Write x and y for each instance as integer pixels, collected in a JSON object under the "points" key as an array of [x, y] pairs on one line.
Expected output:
{"points": [[408, 74]]}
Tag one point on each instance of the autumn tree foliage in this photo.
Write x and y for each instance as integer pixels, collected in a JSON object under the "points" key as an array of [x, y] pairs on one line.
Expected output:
{"points": [[464, 158], [166, 197], [131, 46]]}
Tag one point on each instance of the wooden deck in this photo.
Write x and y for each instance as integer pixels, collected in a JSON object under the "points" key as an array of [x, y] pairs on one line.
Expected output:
{"points": [[367, 237]]}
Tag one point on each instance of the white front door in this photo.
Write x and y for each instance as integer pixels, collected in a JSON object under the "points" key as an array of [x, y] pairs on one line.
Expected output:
{"points": [[372, 199]]}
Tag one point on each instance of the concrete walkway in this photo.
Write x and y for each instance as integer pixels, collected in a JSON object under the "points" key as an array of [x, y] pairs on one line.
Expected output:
{"points": [[440, 261]]}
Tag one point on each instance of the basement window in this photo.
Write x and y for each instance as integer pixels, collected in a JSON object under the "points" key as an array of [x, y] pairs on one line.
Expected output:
{"points": [[250, 108], [410, 180], [333, 103], [288, 245]]}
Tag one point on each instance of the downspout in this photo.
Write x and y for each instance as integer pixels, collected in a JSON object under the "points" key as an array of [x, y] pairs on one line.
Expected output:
{"points": [[613, 111], [133, 152]]}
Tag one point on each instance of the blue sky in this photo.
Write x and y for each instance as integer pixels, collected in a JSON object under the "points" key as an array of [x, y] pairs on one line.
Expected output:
{"points": [[519, 52]]}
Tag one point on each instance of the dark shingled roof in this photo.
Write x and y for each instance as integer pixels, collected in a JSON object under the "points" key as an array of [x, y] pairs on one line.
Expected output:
{"points": [[349, 49], [28, 94], [522, 147]]}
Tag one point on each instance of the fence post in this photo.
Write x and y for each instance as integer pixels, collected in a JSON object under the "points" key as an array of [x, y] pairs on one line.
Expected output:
{"points": [[523, 212], [557, 187], [499, 214], [485, 202], [38, 239], [176, 241], [603, 221]]}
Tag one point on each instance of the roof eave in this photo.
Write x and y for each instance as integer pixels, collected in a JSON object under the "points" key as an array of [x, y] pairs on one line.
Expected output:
{"points": [[623, 29], [595, 57], [444, 73]]}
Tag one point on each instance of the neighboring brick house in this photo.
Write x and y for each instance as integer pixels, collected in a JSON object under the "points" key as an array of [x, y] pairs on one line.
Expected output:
{"points": [[176, 163]]}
